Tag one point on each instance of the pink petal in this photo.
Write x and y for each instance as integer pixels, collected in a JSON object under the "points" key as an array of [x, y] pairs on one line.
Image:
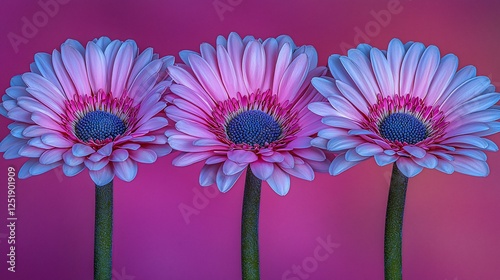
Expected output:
{"points": [[427, 67], [443, 76], [45, 92], [293, 78], [395, 55], [81, 150], [119, 155], [408, 167], [311, 154], [382, 71], [445, 166], [96, 67], [143, 155], [271, 49], [75, 65], [121, 68], [52, 156], [274, 157], [340, 164], [194, 129], [254, 60], [44, 121], [38, 168], [470, 166], [262, 170], [96, 165], [364, 81], [428, 161], [235, 49], [185, 159], [44, 64], [321, 108], [106, 149], [209, 55], [62, 75], [415, 151], [227, 71], [279, 182], [353, 96], [141, 62], [225, 182], [409, 67], [300, 143], [71, 160], [284, 59], [302, 171], [242, 156], [103, 176], [184, 143], [207, 174], [125, 170], [230, 168], [56, 140], [72, 170], [207, 78]]}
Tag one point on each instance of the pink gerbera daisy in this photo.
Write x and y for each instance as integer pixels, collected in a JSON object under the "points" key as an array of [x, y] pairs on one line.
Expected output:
{"points": [[88, 107], [411, 107], [406, 105], [244, 103]]}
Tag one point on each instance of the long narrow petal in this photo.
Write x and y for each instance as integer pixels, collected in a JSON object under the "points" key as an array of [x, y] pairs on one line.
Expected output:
{"points": [[279, 182]]}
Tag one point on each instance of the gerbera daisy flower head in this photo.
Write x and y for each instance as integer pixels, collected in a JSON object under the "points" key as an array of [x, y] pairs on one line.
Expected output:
{"points": [[244, 103], [406, 105], [93, 107]]}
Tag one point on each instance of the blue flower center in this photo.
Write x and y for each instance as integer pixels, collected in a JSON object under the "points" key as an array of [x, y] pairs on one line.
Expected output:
{"points": [[253, 127], [99, 125], [404, 128]]}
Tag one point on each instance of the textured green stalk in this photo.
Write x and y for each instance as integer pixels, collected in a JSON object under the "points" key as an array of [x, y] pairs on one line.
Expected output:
{"points": [[103, 235], [250, 228], [394, 225]]}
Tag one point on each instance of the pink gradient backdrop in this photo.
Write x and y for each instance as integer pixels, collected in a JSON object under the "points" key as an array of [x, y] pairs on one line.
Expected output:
{"points": [[452, 223]]}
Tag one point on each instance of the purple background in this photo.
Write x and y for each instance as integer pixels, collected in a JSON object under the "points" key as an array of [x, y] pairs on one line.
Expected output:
{"points": [[452, 222]]}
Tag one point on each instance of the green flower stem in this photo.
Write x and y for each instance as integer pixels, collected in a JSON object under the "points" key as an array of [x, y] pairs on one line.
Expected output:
{"points": [[250, 227], [394, 225], [103, 235]]}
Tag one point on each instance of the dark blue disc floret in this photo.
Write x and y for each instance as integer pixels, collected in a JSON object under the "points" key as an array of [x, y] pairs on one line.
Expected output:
{"points": [[99, 125], [404, 128], [253, 127]]}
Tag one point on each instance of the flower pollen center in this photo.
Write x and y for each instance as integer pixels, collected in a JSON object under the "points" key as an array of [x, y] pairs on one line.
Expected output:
{"points": [[253, 127], [404, 128], [99, 125]]}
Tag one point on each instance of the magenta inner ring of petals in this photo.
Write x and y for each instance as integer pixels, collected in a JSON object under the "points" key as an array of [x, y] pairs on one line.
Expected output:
{"points": [[404, 119]]}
